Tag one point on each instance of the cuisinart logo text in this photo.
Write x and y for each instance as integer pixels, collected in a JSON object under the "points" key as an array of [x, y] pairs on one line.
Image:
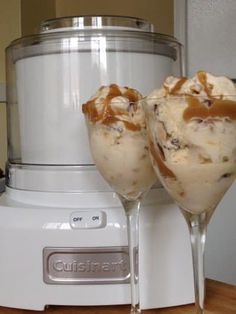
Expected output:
{"points": [[90, 266], [86, 266]]}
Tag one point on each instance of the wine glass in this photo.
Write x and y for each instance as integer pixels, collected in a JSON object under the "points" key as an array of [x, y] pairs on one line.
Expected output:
{"points": [[118, 143], [192, 144]]}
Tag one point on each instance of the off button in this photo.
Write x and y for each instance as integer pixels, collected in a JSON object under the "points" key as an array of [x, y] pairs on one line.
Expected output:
{"points": [[88, 219]]}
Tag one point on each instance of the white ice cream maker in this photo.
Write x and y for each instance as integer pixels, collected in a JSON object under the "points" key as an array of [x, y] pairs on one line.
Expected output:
{"points": [[63, 238]]}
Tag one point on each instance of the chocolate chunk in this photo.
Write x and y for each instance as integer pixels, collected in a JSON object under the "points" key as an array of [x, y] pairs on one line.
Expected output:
{"points": [[156, 109], [198, 120], [208, 102], [226, 175], [194, 91], [175, 142]]}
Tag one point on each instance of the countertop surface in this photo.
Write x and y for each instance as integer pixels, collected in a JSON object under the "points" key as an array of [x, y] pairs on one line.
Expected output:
{"points": [[221, 299]]}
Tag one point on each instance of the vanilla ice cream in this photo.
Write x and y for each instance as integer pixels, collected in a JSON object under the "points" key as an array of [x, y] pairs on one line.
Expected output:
{"points": [[118, 142], [192, 134]]}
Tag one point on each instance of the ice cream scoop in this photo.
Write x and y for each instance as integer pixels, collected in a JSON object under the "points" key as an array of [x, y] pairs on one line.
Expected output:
{"points": [[192, 136], [118, 142]]}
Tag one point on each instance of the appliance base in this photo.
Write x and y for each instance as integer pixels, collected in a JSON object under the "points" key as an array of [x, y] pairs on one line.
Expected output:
{"points": [[26, 230]]}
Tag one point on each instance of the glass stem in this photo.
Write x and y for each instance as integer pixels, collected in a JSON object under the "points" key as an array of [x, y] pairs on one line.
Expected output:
{"points": [[132, 215], [197, 224]]}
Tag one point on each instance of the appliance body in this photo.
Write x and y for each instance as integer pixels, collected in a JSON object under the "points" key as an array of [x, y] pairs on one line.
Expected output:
{"points": [[62, 230], [48, 259], [50, 75]]}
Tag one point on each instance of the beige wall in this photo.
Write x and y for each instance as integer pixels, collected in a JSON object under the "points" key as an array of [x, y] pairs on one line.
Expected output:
{"points": [[35, 11], [10, 29], [22, 17], [159, 12]]}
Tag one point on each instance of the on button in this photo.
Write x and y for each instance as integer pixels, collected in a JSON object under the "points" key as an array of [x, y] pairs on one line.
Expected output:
{"points": [[88, 219]]}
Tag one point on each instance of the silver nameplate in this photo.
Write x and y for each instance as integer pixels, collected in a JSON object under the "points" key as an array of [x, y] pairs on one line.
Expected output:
{"points": [[105, 265]]}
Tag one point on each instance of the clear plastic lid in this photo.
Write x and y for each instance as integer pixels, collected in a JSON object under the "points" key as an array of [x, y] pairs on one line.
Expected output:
{"points": [[113, 38], [96, 22]]}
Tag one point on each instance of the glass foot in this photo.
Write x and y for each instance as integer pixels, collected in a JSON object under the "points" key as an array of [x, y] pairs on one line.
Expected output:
{"points": [[135, 309]]}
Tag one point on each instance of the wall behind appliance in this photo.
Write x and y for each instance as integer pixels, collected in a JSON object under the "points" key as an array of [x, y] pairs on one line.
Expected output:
{"points": [[158, 12], [33, 12], [22, 17], [10, 29], [208, 28]]}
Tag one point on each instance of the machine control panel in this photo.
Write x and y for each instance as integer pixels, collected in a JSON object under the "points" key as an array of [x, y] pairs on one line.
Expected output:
{"points": [[88, 219]]}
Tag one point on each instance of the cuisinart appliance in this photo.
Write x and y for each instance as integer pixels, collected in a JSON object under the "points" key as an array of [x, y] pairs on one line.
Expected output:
{"points": [[62, 230]]}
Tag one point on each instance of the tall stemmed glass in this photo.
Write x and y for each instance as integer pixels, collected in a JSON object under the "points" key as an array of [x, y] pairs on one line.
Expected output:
{"points": [[193, 150], [118, 143]]}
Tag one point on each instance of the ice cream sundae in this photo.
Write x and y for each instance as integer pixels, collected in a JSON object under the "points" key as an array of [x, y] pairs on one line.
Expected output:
{"points": [[192, 137], [118, 142]]}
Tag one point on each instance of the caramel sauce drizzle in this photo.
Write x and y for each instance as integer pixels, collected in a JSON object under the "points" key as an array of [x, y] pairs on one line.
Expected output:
{"points": [[177, 86], [202, 77], [109, 116], [164, 170], [220, 108]]}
